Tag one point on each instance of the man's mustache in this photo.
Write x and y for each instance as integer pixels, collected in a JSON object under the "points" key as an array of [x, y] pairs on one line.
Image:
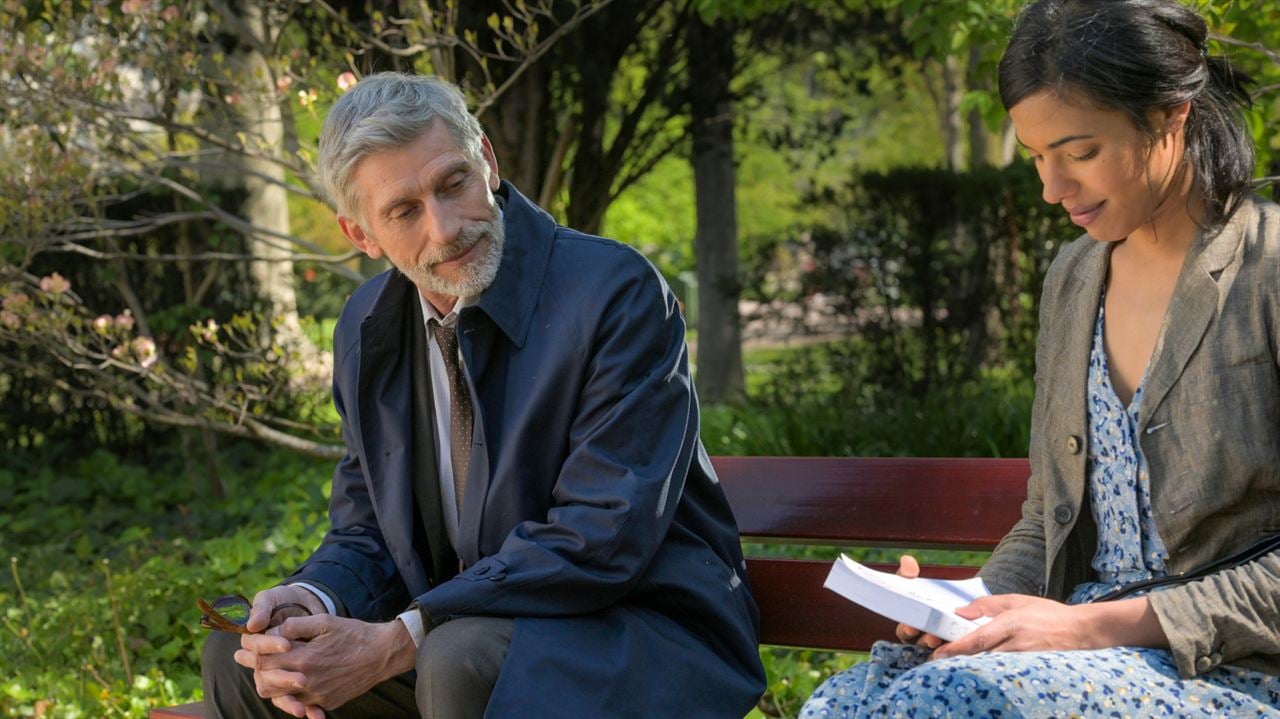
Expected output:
{"points": [[467, 238]]}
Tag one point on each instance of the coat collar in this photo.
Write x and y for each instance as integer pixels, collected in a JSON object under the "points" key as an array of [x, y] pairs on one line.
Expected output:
{"points": [[509, 301], [511, 298]]}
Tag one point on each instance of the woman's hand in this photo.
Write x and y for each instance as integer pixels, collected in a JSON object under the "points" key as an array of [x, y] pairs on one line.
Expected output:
{"points": [[908, 567], [1022, 623]]}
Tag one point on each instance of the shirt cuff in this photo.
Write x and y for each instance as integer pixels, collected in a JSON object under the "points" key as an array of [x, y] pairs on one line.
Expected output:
{"points": [[324, 598], [412, 619]]}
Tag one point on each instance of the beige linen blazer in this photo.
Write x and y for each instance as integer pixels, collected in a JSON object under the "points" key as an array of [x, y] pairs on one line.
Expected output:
{"points": [[1209, 429]]}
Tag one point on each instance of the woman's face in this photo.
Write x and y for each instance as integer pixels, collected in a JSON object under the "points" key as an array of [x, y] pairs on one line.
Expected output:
{"points": [[1105, 172]]}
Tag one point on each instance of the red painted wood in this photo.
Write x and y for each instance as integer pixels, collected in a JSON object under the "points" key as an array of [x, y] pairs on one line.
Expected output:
{"points": [[186, 711], [873, 501], [797, 611]]}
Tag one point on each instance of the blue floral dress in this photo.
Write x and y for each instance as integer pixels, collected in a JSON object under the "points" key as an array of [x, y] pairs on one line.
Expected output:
{"points": [[897, 681]]}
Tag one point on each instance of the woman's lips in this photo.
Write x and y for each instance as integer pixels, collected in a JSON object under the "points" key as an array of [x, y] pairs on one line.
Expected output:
{"points": [[1084, 216]]}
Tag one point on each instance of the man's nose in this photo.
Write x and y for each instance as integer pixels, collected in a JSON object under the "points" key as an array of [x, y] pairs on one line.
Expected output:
{"points": [[442, 225]]}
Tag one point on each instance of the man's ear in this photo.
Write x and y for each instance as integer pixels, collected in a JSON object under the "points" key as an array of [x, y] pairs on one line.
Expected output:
{"points": [[486, 153], [358, 238]]}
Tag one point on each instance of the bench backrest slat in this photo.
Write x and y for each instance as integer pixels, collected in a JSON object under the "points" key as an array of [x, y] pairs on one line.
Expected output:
{"points": [[873, 501]]}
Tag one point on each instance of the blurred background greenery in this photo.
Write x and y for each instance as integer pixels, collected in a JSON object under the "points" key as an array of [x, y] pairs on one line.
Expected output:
{"points": [[831, 188]]}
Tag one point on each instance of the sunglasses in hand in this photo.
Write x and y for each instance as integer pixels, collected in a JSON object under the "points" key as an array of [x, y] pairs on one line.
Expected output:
{"points": [[230, 613]]}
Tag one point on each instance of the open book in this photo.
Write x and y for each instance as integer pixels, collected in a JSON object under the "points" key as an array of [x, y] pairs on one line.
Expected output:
{"points": [[926, 604]]}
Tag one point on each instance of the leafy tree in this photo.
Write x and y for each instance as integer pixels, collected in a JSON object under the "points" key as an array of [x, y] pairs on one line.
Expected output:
{"points": [[158, 139]]}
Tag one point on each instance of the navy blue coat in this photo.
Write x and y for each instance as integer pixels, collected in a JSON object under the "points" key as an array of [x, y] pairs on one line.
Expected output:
{"points": [[599, 525]]}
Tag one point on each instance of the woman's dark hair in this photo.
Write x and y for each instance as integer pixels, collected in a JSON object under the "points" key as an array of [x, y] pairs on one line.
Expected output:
{"points": [[1133, 56]]}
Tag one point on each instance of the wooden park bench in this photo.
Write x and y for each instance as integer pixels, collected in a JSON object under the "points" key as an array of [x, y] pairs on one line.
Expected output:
{"points": [[964, 504]]}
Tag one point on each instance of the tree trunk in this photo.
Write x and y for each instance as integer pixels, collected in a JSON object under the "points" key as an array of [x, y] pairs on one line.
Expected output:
{"points": [[720, 375], [257, 117], [979, 138], [1008, 143], [949, 113]]}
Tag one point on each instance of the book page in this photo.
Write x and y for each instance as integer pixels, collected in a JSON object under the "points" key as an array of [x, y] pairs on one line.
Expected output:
{"points": [[926, 604], [945, 594]]}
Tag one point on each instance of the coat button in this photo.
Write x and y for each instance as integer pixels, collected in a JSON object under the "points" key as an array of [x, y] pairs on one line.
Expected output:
{"points": [[1204, 664], [1062, 514], [1073, 444]]}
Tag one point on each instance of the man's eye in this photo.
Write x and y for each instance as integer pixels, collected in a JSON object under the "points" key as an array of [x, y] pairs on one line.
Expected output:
{"points": [[403, 213]]}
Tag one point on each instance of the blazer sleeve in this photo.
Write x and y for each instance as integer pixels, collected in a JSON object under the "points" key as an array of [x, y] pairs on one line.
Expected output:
{"points": [[1231, 614], [1018, 563], [352, 563], [630, 445], [1223, 617]]}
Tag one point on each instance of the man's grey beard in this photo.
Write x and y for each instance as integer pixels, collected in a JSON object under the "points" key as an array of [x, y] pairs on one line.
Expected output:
{"points": [[475, 276]]}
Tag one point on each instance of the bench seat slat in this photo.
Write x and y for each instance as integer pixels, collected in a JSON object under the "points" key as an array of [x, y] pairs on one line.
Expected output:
{"points": [[797, 611], [871, 501]]}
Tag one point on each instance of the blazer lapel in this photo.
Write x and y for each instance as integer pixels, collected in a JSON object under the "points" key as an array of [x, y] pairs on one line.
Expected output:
{"points": [[1074, 326], [1196, 299]]}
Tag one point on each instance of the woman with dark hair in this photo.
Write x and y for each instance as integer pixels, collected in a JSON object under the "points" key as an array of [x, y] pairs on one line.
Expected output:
{"points": [[1135, 583]]}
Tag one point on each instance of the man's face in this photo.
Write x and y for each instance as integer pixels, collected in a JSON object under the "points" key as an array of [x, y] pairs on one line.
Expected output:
{"points": [[430, 210]]}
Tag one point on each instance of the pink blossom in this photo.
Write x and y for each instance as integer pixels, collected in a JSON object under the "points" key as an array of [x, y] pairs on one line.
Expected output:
{"points": [[207, 332], [102, 323], [170, 13], [144, 349], [15, 301], [54, 284], [283, 82], [233, 99], [131, 7], [124, 320], [306, 97], [9, 319], [346, 81]]}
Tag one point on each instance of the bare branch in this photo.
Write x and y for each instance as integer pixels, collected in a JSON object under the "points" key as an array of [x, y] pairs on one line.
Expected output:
{"points": [[202, 256], [1228, 40]]}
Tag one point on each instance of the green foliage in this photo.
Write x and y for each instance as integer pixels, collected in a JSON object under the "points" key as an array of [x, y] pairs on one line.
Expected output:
{"points": [[823, 400], [107, 558]]}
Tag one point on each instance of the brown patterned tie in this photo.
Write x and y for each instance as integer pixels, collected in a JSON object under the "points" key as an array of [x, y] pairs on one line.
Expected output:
{"points": [[460, 422]]}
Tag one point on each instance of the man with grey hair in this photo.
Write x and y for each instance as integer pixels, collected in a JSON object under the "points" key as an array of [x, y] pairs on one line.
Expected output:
{"points": [[526, 523]]}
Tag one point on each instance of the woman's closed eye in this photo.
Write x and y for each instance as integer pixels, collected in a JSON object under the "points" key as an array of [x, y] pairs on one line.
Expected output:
{"points": [[1086, 156]]}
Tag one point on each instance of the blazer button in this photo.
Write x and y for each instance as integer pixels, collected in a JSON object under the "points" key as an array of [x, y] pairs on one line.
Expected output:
{"points": [[1073, 444], [1062, 514], [1204, 664]]}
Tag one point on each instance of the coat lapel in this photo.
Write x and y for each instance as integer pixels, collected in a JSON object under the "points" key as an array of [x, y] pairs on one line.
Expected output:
{"points": [[1074, 325], [385, 435], [505, 309], [1196, 300]]}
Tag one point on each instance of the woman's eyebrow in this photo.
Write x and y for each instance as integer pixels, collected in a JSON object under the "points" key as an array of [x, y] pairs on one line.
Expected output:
{"points": [[1058, 143]]}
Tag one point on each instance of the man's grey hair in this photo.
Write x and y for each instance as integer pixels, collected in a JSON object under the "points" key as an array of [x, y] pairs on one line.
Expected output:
{"points": [[385, 111]]}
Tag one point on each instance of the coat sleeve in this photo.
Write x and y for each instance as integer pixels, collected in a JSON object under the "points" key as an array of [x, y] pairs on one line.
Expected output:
{"points": [[1231, 614], [630, 444], [352, 562], [1240, 603]]}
